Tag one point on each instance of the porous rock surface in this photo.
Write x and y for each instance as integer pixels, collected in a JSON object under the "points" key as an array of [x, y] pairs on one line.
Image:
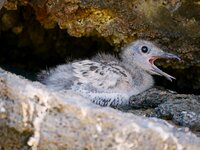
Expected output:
{"points": [[30, 113], [65, 120], [182, 109], [174, 24]]}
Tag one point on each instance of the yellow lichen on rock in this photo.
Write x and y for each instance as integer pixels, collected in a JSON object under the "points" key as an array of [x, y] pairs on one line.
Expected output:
{"points": [[87, 22]]}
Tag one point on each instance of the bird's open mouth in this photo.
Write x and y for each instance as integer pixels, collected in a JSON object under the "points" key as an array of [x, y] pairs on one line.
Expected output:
{"points": [[156, 70]]}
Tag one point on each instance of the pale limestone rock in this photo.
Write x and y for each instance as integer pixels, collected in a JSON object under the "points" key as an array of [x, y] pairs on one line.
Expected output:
{"points": [[67, 121]]}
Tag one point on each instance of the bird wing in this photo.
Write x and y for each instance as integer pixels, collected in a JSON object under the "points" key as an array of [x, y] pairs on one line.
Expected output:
{"points": [[100, 75]]}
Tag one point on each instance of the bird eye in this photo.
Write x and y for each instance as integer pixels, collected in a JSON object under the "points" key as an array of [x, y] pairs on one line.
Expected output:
{"points": [[144, 49]]}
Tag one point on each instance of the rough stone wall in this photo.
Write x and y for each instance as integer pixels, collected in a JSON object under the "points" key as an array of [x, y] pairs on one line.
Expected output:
{"points": [[33, 114], [45, 120], [174, 24]]}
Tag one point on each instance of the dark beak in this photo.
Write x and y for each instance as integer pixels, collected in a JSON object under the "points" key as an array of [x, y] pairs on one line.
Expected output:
{"points": [[169, 55], [157, 70]]}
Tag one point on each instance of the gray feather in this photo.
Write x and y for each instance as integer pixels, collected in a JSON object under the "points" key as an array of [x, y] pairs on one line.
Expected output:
{"points": [[106, 80]]}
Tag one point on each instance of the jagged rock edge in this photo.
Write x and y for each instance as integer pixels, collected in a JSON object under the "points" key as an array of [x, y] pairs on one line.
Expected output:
{"points": [[36, 100]]}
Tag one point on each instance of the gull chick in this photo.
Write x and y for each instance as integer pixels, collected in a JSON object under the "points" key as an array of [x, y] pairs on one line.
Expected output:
{"points": [[107, 80]]}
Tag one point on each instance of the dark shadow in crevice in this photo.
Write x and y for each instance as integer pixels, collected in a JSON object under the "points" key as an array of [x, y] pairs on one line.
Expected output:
{"points": [[27, 48], [186, 81]]}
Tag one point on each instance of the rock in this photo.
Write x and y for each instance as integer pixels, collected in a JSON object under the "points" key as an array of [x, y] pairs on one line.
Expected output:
{"points": [[68, 121], [30, 113], [2, 3], [122, 22], [150, 98], [11, 139], [174, 24], [182, 109]]}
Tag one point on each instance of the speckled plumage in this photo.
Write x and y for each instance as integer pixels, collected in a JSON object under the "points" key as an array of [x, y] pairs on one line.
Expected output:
{"points": [[106, 80]]}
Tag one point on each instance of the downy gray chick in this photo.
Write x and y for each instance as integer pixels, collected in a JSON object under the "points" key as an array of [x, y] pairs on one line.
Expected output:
{"points": [[106, 80]]}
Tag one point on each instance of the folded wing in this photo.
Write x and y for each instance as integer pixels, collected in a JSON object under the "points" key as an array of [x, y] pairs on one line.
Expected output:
{"points": [[100, 75]]}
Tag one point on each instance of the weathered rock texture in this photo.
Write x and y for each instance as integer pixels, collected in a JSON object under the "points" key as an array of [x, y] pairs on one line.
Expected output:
{"points": [[172, 23], [2, 3], [182, 109], [123, 21], [60, 121], [30, 113]]}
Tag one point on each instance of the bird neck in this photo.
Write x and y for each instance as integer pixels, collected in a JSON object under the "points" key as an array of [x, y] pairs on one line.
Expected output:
{"points": [[131, 66], [141, 78]]}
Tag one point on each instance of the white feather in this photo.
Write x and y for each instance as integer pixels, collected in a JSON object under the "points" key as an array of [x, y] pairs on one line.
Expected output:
{"points": [[105, 80]]}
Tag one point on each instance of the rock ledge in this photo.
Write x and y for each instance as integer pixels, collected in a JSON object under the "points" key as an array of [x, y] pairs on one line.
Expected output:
{"points": [[68, 121]]}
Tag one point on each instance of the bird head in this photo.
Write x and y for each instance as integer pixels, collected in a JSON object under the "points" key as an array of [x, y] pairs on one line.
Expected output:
{"points": [[144, 53]]}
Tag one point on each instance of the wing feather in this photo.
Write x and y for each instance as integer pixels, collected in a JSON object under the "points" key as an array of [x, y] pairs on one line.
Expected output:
{"points": [[100, 75]]}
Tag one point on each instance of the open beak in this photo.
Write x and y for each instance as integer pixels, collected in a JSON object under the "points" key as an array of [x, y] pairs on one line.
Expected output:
{"points": [[156, 70]]}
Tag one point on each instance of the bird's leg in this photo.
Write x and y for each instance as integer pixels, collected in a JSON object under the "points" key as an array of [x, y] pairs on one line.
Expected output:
{"points": [[109, 99]]}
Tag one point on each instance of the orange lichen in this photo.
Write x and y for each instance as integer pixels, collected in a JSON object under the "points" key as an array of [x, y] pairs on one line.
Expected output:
{"points": [[100, 22]]}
